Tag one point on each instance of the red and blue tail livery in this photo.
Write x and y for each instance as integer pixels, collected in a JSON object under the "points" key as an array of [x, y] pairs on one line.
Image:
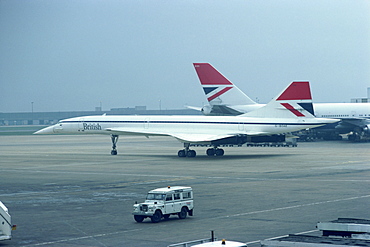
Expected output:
{"points": [[217, 88], [299, 90]]}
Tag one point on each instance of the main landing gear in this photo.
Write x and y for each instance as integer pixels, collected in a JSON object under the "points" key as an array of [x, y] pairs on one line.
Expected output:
{"points": [[215, 151], [114, 142], [186, 152]]}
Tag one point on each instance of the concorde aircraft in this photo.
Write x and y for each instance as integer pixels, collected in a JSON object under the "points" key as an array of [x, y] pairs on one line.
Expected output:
{"points": [[290, 111], [225, 98]]}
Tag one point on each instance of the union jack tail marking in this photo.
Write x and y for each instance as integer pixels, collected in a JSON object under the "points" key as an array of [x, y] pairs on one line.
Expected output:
{"points": [[291, 108]]}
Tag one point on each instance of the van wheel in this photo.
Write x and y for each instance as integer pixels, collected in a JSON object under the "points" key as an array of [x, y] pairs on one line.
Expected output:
{"points": [[139, 218], [156, 216], [183, 213]]}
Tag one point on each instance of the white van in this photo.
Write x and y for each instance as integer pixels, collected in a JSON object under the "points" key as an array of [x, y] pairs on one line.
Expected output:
{"points": [[163, 202]]}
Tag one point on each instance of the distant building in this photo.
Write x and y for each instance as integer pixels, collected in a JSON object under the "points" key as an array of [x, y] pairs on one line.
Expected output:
{"points": [[137, 108], [362, 100], [49, 118]]}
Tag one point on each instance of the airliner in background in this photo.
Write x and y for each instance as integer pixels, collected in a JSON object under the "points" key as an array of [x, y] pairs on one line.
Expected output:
{"points": [[227, 99], [290, 111]]}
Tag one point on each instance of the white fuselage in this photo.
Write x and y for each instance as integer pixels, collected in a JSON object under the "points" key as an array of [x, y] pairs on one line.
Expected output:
{"points": [[342, 110], [323, 110], [171, 125]]}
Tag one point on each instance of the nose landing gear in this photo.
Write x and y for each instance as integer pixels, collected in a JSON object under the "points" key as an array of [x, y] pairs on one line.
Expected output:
{"points": [[114, 142]]}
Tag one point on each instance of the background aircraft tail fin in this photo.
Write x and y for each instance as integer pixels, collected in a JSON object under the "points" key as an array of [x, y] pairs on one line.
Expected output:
{"points": [[218, 89]]}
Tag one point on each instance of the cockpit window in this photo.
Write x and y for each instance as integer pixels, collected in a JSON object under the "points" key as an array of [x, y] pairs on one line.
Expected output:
{"points": [[154, 196]]}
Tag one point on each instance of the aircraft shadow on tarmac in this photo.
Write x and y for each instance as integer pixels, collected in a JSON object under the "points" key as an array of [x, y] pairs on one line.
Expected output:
{"points": [[205, 157]]}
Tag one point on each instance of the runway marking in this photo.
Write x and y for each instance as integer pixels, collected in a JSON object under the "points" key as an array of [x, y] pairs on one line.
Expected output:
{"points": [[298, 233], [78, 229], [81, 238], [295, 206], [177, 176]]}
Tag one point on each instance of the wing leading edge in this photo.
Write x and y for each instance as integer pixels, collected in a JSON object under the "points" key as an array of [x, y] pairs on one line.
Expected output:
{"points": [[183, 137]]}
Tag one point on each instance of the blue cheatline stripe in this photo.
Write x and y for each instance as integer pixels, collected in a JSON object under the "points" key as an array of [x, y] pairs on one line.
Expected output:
{"points": [[187, 122]]}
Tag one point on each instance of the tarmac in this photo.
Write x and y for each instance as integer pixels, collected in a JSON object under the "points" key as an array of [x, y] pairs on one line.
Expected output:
{"points": [[69, 191]]}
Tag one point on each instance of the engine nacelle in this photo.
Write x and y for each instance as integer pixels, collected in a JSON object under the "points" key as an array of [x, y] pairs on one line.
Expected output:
{"points": [[342, 128], [366, 129], [206, 110], [241, 139]]}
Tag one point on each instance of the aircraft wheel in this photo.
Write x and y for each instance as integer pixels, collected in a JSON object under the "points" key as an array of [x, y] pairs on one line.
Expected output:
{"points": [[219, 152], [113, 152], [191, 153], [181, 153], [210, 152]]}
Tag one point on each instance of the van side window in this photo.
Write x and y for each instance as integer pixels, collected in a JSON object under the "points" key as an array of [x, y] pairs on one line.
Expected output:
{"points": [[176, 196], [169, 197], [186, 195]]}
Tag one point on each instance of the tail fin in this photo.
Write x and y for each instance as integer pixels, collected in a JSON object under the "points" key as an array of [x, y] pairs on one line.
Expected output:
{"points": [[294, 101], [218, 89]]}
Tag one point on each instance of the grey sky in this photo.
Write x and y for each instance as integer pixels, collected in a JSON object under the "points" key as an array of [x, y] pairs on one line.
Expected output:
{"points": [[68, 55]]}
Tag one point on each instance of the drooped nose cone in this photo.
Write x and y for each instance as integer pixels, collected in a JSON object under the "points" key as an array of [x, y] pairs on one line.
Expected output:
{"points": [[45, 131]]}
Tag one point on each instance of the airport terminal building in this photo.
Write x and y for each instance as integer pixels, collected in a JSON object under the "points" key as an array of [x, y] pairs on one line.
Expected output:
{"points": [[49, 118]]}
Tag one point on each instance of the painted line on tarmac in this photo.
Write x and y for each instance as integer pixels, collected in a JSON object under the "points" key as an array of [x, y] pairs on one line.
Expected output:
{"points": [[295, 206], [81, 238], [177, 176], [298, 233]]}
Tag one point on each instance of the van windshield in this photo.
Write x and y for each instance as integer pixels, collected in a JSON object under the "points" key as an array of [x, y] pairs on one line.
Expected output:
{"points": [[154, 196]]}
